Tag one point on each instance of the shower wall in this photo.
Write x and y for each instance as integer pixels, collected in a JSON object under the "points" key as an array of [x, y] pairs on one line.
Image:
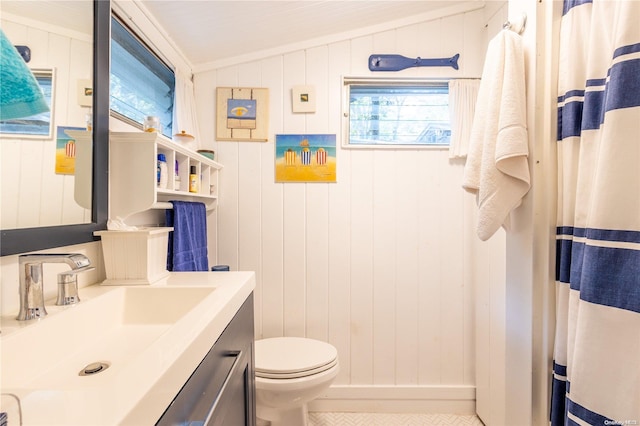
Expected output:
{"points": [[381, 264]]}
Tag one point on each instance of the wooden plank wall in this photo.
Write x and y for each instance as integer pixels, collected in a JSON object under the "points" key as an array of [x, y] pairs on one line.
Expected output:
{"points": [[381, 264]]}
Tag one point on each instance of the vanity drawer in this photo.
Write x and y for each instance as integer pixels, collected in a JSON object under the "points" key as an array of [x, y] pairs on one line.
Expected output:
{"points": [[221, 389]]}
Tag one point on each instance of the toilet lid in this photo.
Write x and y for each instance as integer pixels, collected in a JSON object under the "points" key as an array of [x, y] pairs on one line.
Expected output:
{"points": [[290, 357]]}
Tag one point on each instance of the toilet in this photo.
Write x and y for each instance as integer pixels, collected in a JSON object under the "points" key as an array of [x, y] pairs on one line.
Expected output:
{"points": [[290, 372]]}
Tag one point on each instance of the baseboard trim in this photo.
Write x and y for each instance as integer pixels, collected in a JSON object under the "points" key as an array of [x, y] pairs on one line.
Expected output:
{"points": [[398, 399]]}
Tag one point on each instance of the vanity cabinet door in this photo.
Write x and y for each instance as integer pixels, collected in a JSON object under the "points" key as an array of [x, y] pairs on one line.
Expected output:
{"points": [[221, 391]]}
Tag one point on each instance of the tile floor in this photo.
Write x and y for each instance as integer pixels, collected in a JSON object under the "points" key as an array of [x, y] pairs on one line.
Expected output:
{"points": [[384, 419]]}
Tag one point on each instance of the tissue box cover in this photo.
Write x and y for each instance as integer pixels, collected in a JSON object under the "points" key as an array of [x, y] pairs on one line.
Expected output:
{"points": [[135, 257]]}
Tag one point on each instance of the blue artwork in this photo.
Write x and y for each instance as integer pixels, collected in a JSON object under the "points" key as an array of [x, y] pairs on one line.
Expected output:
{"points": [[241, 113]]}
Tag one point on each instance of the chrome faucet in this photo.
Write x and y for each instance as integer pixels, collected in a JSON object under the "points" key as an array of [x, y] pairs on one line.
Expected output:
{"points": [[32, 281]]}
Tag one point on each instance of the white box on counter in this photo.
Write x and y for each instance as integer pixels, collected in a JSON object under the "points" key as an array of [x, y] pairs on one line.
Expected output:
{"points": [[135, 257]]}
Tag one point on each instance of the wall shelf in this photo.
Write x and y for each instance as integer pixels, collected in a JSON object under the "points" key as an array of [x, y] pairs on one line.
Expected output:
{"points": [[132, 174]]}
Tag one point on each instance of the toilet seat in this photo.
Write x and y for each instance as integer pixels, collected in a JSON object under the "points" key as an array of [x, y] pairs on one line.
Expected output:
{"points": [[292, 357]]}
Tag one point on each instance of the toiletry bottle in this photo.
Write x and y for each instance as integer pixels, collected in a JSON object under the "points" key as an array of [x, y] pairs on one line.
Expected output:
{"points": [[176, 183], [162, 171], [89, 121], [193, 180]]}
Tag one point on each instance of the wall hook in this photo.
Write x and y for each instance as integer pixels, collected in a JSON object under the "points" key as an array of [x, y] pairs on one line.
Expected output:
{"points": [[25, 52], [517, 25]]}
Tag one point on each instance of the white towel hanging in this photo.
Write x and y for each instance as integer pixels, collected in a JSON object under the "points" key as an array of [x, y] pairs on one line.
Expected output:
{"points": [[497, 170]]}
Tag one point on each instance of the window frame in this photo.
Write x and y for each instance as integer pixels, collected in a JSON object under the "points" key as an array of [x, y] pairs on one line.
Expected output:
{"points": [[147, 45], [348, 81]]}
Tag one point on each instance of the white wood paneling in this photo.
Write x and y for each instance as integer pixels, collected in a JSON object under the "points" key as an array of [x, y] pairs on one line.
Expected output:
{"points": [[378, 264], [407, 261], [228, 208], [452, 284], [272, 195], [339, 286], [474, 31], [294, 212], [249, 193], [430, 326], [317, 207], [362, 262], [384, 271]]}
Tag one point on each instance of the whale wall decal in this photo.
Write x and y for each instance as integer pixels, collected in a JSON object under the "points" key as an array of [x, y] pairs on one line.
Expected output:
{"points": [[399, 62]]}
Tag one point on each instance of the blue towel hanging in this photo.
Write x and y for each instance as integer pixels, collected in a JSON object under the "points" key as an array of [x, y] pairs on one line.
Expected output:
{"points": [[187, 249]]}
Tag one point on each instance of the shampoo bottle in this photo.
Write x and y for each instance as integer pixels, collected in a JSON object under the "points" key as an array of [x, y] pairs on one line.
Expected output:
{"points": [[193, 180], [162, 173]]}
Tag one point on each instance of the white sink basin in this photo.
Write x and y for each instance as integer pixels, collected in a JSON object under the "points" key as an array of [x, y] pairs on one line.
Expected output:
{"points": [[150, 337], [111, 328]]}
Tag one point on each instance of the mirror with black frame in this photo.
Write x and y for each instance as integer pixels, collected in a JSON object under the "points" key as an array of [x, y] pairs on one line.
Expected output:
{"points": [[22, 239]]}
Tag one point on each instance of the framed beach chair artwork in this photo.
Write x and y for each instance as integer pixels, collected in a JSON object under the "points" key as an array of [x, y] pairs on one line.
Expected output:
{"points": [[305, 158]]}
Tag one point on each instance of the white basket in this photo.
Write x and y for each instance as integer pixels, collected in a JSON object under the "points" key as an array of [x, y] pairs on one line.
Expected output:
{"points": [[135, 257]]}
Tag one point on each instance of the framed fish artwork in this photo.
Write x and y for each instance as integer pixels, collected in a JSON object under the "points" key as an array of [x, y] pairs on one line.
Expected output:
{"points": [[242, 114]]}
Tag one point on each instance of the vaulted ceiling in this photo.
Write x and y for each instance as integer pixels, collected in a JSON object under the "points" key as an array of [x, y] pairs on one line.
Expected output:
{"points": [[207, 31], [211, 30]]}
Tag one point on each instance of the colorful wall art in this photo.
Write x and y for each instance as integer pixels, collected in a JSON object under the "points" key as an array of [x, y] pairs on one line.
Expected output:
{"points": [[305, 158], [65, 151], [242, 114]]}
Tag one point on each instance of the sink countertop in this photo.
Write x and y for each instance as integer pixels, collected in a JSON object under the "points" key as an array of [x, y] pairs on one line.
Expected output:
{"points": [[137, 389]]}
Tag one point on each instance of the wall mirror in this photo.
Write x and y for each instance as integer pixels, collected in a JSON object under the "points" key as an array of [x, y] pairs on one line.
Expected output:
{"points": [[35, 18]]}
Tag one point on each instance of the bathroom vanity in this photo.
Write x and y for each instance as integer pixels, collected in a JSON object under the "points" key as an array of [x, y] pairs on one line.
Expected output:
{"points": [[173, 352]]}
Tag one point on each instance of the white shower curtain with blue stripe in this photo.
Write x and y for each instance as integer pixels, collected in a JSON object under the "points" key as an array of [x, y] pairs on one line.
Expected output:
{"points": [[596, 378]]}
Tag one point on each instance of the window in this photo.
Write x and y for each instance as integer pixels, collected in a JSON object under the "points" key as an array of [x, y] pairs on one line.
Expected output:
{"points": [[141, 84], [39, 125], [396, 113]]}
